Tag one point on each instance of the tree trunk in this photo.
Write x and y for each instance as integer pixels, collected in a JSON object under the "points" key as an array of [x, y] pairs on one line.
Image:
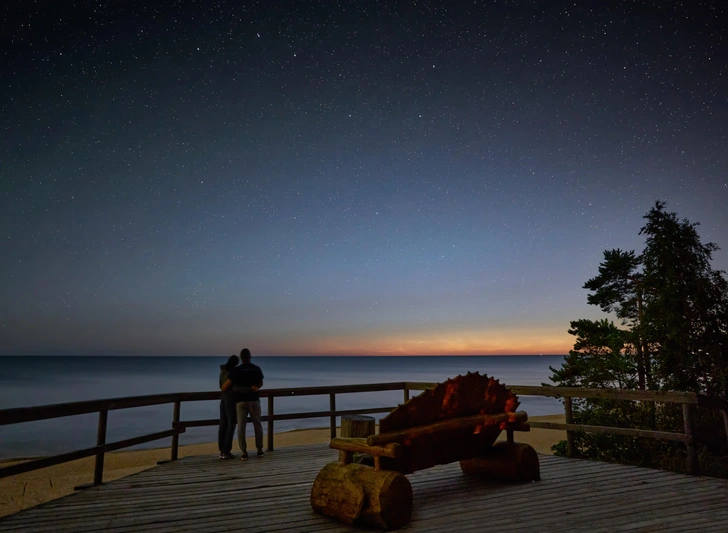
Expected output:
{"points": [[643, 364], [516, 462], [356, 493], [640, 366]]}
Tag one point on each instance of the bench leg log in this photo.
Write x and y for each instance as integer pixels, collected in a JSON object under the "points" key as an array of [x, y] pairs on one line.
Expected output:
{"points": [[508, 462], [358, 426], [356, 493]]}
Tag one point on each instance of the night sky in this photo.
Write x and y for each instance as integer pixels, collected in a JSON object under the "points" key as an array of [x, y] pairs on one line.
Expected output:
{"points": [[343, 178]]}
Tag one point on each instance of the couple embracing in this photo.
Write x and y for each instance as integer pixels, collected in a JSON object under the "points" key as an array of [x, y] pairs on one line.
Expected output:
{"points": [[239, 385]]}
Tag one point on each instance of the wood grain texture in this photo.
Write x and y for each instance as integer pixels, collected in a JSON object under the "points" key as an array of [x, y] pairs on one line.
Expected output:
{"points": [[360, 494], [357, 426], [391, 449], [643, 433], [203, 494]]}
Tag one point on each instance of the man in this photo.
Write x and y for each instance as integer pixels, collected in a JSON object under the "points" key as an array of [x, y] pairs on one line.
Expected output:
{"points": [[246, 379]]}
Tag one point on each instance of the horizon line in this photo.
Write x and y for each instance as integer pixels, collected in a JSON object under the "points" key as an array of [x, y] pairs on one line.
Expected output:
{"points": [[286, 355]]}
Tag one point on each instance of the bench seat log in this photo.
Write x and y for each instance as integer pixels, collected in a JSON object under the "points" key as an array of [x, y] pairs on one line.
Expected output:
{"points": [[392, 449]]}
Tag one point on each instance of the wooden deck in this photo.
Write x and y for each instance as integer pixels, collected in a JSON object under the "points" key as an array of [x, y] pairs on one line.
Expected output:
{"points": [[204, 494]]}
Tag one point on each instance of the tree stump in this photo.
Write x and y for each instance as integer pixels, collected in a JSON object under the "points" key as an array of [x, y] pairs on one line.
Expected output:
{"points": [[358, 426], [359, 494], [516, 462]]}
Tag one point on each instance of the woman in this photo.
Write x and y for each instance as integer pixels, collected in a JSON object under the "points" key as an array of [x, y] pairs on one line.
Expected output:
{"points": [[228, 418]]}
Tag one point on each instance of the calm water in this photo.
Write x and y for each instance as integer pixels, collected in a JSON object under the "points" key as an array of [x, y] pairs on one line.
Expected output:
{"points": [[28, 381]]}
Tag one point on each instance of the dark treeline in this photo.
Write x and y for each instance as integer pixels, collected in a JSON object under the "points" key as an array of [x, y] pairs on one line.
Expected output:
{"points": [[673, 309]]}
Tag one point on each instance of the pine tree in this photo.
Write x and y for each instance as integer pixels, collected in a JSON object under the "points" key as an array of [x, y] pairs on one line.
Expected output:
{"points": [[618, 289], [674, 309], [686, 305], [598, 359]]}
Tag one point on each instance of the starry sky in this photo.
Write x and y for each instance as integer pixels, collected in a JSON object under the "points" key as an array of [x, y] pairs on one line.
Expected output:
{"points": [[297, 177]]}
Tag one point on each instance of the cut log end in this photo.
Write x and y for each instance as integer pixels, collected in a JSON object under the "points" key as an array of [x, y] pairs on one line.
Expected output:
{"points": [[357, 426], [391, 506], [356, 493]]}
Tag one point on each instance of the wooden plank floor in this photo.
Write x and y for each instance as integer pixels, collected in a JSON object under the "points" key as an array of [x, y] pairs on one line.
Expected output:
{"points": [[204, 494]]}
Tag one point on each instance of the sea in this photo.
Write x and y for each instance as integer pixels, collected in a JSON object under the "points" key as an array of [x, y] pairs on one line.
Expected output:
{"points": [[27, 381]]}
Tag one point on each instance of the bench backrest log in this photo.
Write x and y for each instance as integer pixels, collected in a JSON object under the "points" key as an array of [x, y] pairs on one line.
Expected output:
{"points": [[447, 423]]}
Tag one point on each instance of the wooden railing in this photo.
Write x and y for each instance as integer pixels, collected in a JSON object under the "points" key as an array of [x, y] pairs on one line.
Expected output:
{"points": [[688, 400], [102, 407]]}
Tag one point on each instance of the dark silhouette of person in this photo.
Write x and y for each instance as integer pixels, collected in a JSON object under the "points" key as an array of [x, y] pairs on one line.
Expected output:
{"points": [[228, 416], [245, 380]]}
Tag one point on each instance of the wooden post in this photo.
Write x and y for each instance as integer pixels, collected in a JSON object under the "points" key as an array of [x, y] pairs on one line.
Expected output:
{"points": [[569, 419], [693, 466], [725, 424], [270, 423], [332, 408], [175, 438], [100, 441], [406, 393], [357, 426]]}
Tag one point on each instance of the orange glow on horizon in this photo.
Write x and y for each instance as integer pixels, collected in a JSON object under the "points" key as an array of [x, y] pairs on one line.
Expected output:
{"points": [[517, 342]]}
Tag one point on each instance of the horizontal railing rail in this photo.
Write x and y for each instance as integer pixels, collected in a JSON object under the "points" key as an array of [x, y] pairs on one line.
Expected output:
{"points": [[58, 410], [658, 396], [30, 414], [290, 416], [35, 464]]}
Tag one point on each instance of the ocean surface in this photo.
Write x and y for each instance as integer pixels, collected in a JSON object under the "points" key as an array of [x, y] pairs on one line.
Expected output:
{"points": [[31, 381]]}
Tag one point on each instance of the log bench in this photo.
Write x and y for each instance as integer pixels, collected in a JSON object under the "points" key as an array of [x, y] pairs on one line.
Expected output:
{"points": [[459, 420]]}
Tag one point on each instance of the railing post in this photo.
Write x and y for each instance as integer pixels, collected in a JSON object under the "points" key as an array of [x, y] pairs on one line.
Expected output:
{"points": [[270, 423], [569, 419], [693, 467], [725, 423], [406, 393], [332, 408], [100, 441], [175, 438]]}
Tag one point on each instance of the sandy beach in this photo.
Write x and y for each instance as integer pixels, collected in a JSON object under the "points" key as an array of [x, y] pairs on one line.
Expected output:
{"points": [[33, 488]]}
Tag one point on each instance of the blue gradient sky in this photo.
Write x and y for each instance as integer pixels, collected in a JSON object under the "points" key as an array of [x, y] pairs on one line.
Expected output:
{"points": [[378, 178]]}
